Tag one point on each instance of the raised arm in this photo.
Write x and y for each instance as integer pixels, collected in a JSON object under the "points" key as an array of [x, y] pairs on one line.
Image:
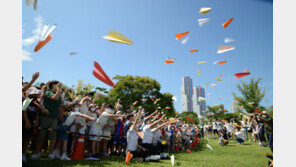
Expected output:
{"points": [[161, 126], [151, 115], [158, 121], [137, 119], [44, 88], [58, 92], [86, 116], [28, 85]]}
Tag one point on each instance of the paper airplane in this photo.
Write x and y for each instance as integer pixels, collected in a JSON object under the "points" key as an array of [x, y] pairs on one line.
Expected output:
{"points": [[213, 85], [209, 147], [181, 35], [220, 98], [201, 99], [222, 62], [184, 41], [169, 58], [204, 11], [207, 84], [115, 36], [202, 22], [100, 74], [218, 79], [243, 74], [45, 37], [198, 72], [174, 98], [227, 23], [227, 40], [32, 2], [192, 51], [72, 53], [46, 31], [202, 62], [173, 160], [100, 93], [169, 61], [215, 62], [222, 49]]}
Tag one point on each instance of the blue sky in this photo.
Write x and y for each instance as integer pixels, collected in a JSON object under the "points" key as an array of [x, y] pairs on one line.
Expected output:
{"points": [[152, 25]]}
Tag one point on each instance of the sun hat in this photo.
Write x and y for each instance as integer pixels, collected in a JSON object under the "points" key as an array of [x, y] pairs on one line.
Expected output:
{"points": [[33, 91]]}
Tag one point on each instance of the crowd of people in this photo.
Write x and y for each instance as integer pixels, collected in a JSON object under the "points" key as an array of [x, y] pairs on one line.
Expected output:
{"points": [[257, 127], [51, 116], [53, 123]]}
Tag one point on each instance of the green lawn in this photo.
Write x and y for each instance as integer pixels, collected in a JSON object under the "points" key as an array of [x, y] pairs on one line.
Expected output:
{"points": [[250, 154]]}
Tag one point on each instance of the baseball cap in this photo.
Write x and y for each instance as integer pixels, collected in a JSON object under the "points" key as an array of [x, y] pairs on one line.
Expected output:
{"points": [[33, 91]]}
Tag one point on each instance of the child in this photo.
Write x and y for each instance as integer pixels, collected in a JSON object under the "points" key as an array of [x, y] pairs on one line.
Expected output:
{"points": [[119, 136], [99, 126], [240, 136], [148, 134], [132, 141], [223, 140], [64, 129], [30, 118]]}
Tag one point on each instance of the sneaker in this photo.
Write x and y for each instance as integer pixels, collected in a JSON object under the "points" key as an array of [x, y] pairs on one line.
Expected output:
{"points": [[36, 156], [24, 158], [56, 154], [51, 157], [65, 157]]}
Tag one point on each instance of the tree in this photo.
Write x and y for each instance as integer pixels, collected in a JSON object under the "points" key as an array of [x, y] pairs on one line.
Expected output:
{"points": [[189, 114], [252, 95], [216, 111], [135, 88]]}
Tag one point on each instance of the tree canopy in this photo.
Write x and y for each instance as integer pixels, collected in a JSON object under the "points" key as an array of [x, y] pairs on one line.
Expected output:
{"points": [[251, 93]]}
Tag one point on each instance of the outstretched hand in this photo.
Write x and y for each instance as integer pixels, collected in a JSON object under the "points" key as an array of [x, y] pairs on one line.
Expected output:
{"points": [[35, 76]]}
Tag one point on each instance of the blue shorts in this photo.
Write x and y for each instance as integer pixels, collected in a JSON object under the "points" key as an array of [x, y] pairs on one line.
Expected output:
{"points": [[120, 140], [62, 132]]}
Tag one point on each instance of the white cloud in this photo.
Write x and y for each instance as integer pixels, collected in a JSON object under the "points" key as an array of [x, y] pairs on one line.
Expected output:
{"points": [[26, 56], [36, 34]]}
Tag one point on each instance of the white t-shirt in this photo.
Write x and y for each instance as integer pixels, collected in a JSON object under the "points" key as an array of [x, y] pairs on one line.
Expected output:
{"points": [[102, 120], [147, 134], [156, 137], [229, 127], [91, 114], [132, 140], [83, 110], [240, 135], [215, 125]]}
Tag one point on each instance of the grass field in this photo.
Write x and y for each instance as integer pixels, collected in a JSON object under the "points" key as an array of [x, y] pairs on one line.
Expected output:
{"points": [[232, 155]]}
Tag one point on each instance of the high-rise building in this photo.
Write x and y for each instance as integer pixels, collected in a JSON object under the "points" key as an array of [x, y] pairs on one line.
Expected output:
{"points": [[186, 94], [199, 107]]}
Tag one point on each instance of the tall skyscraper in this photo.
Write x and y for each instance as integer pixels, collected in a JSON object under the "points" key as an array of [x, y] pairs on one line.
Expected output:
{"points": [[199, 107], [186, 94]]}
